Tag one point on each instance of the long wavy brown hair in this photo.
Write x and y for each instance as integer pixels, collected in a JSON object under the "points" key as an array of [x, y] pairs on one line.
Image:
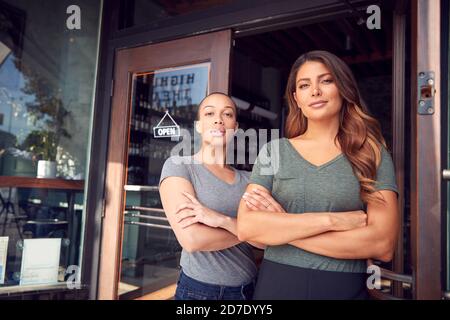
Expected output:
{"points": [[359, 133]]}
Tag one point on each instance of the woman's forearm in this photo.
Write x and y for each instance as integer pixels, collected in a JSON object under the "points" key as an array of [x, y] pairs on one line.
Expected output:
{"points": [[230, 224], [280, 228], [377, 240], [362, 243], [205, 238]]}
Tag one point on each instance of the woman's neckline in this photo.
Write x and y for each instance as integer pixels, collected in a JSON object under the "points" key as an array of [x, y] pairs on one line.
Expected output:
{"points": [[235, 178], [315, 166]]}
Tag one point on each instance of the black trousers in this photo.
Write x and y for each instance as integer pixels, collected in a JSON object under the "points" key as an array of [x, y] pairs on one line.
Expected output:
{"points": [[278, 281]]}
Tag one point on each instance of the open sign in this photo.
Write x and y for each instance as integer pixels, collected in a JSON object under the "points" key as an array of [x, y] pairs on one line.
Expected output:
{"points": [[166, 131]]}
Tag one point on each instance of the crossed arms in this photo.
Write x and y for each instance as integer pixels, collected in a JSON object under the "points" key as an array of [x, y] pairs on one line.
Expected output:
{"points": [[376, 239]]}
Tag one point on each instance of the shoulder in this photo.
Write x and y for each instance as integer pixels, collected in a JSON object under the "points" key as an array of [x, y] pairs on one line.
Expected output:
{"points": [[385, 169], [275, 146], [386, 178], [385, 156], [178, 160], [177, 166]]}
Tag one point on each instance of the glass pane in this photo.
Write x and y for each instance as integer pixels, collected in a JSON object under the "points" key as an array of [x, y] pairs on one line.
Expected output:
{"points": [[447, 235], [164, 102], [47, 78], [36, 213], [143, 12]]}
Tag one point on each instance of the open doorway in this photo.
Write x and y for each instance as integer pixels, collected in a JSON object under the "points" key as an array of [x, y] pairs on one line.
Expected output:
{"points": [[260, 66]]}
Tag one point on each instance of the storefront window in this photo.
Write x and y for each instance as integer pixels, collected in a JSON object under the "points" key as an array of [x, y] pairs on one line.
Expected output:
{"points": [[48, 61]]}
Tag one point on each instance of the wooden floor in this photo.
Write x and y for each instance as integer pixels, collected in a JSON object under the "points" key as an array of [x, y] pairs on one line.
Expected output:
{"points": [[166, 293]]}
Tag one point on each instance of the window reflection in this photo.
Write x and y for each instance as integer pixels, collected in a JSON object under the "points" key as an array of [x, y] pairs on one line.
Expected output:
{"points": [[47, 77], [32, 213], [46, 86], [166, 98]]}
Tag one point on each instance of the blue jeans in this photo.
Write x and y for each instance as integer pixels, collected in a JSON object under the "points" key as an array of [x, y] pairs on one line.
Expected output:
{"points": [[191, 289]]}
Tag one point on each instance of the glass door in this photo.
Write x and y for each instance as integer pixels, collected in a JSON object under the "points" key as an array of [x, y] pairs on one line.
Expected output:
{"points": [[157, 89], [164, 102], [446, 173]]}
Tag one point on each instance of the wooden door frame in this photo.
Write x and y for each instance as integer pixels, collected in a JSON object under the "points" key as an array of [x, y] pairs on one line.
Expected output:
{"points": [[426, 154], [398, 108], [398, 128], [213, 47]]}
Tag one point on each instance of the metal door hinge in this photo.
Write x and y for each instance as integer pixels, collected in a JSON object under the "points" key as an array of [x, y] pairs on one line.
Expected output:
{"points": [[103, 207], [112, 87], [425, 92]]}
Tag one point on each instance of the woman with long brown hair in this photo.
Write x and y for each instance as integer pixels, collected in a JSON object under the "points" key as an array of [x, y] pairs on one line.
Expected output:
{"points": [[334, 159]]}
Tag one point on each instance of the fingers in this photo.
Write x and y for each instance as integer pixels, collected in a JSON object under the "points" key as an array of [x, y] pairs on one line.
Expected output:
{"points": [[186, 205], [265, 195], [185, 214], [364, 220], [182, 213], [257, 198], [191, 197], [251, 206], [268, 197], [256, 203], [188, 221], [358, 219]]}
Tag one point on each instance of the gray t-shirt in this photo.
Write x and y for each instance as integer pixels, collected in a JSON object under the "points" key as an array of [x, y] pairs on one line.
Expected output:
{"points": [[233, 266], [299, 186]]}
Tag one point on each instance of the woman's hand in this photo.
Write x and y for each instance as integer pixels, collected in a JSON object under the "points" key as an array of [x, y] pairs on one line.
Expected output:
{"points": [[348, 220], [261, 200], [196, 212]]}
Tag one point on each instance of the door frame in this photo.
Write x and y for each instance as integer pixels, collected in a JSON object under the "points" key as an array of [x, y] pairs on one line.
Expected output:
{"points": [[445, 50], [398, 127], [113, 40], [426, 154], [212, 47], [242, 22]]}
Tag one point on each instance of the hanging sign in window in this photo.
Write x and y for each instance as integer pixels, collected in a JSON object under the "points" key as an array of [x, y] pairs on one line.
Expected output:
{"points": [[166, 131]]}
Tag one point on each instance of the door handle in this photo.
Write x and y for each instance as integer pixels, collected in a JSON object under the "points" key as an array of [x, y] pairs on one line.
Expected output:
{"points": [[446, 174]]}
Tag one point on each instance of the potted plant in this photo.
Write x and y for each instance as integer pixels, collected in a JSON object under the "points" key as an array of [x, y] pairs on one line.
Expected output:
{"points": [[43, 145], [48, 114]]}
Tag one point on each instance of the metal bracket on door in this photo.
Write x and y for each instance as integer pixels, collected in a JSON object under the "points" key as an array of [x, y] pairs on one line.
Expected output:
{"points": [[425, 92]]}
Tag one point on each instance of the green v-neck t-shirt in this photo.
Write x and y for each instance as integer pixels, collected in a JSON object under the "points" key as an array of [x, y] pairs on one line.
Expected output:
{"points": [[300, 186]]}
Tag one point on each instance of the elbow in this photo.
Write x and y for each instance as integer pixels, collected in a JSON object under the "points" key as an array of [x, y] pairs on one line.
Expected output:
{"points": [[190, 243], [189, 248], [386, 251], [387, 257]]}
